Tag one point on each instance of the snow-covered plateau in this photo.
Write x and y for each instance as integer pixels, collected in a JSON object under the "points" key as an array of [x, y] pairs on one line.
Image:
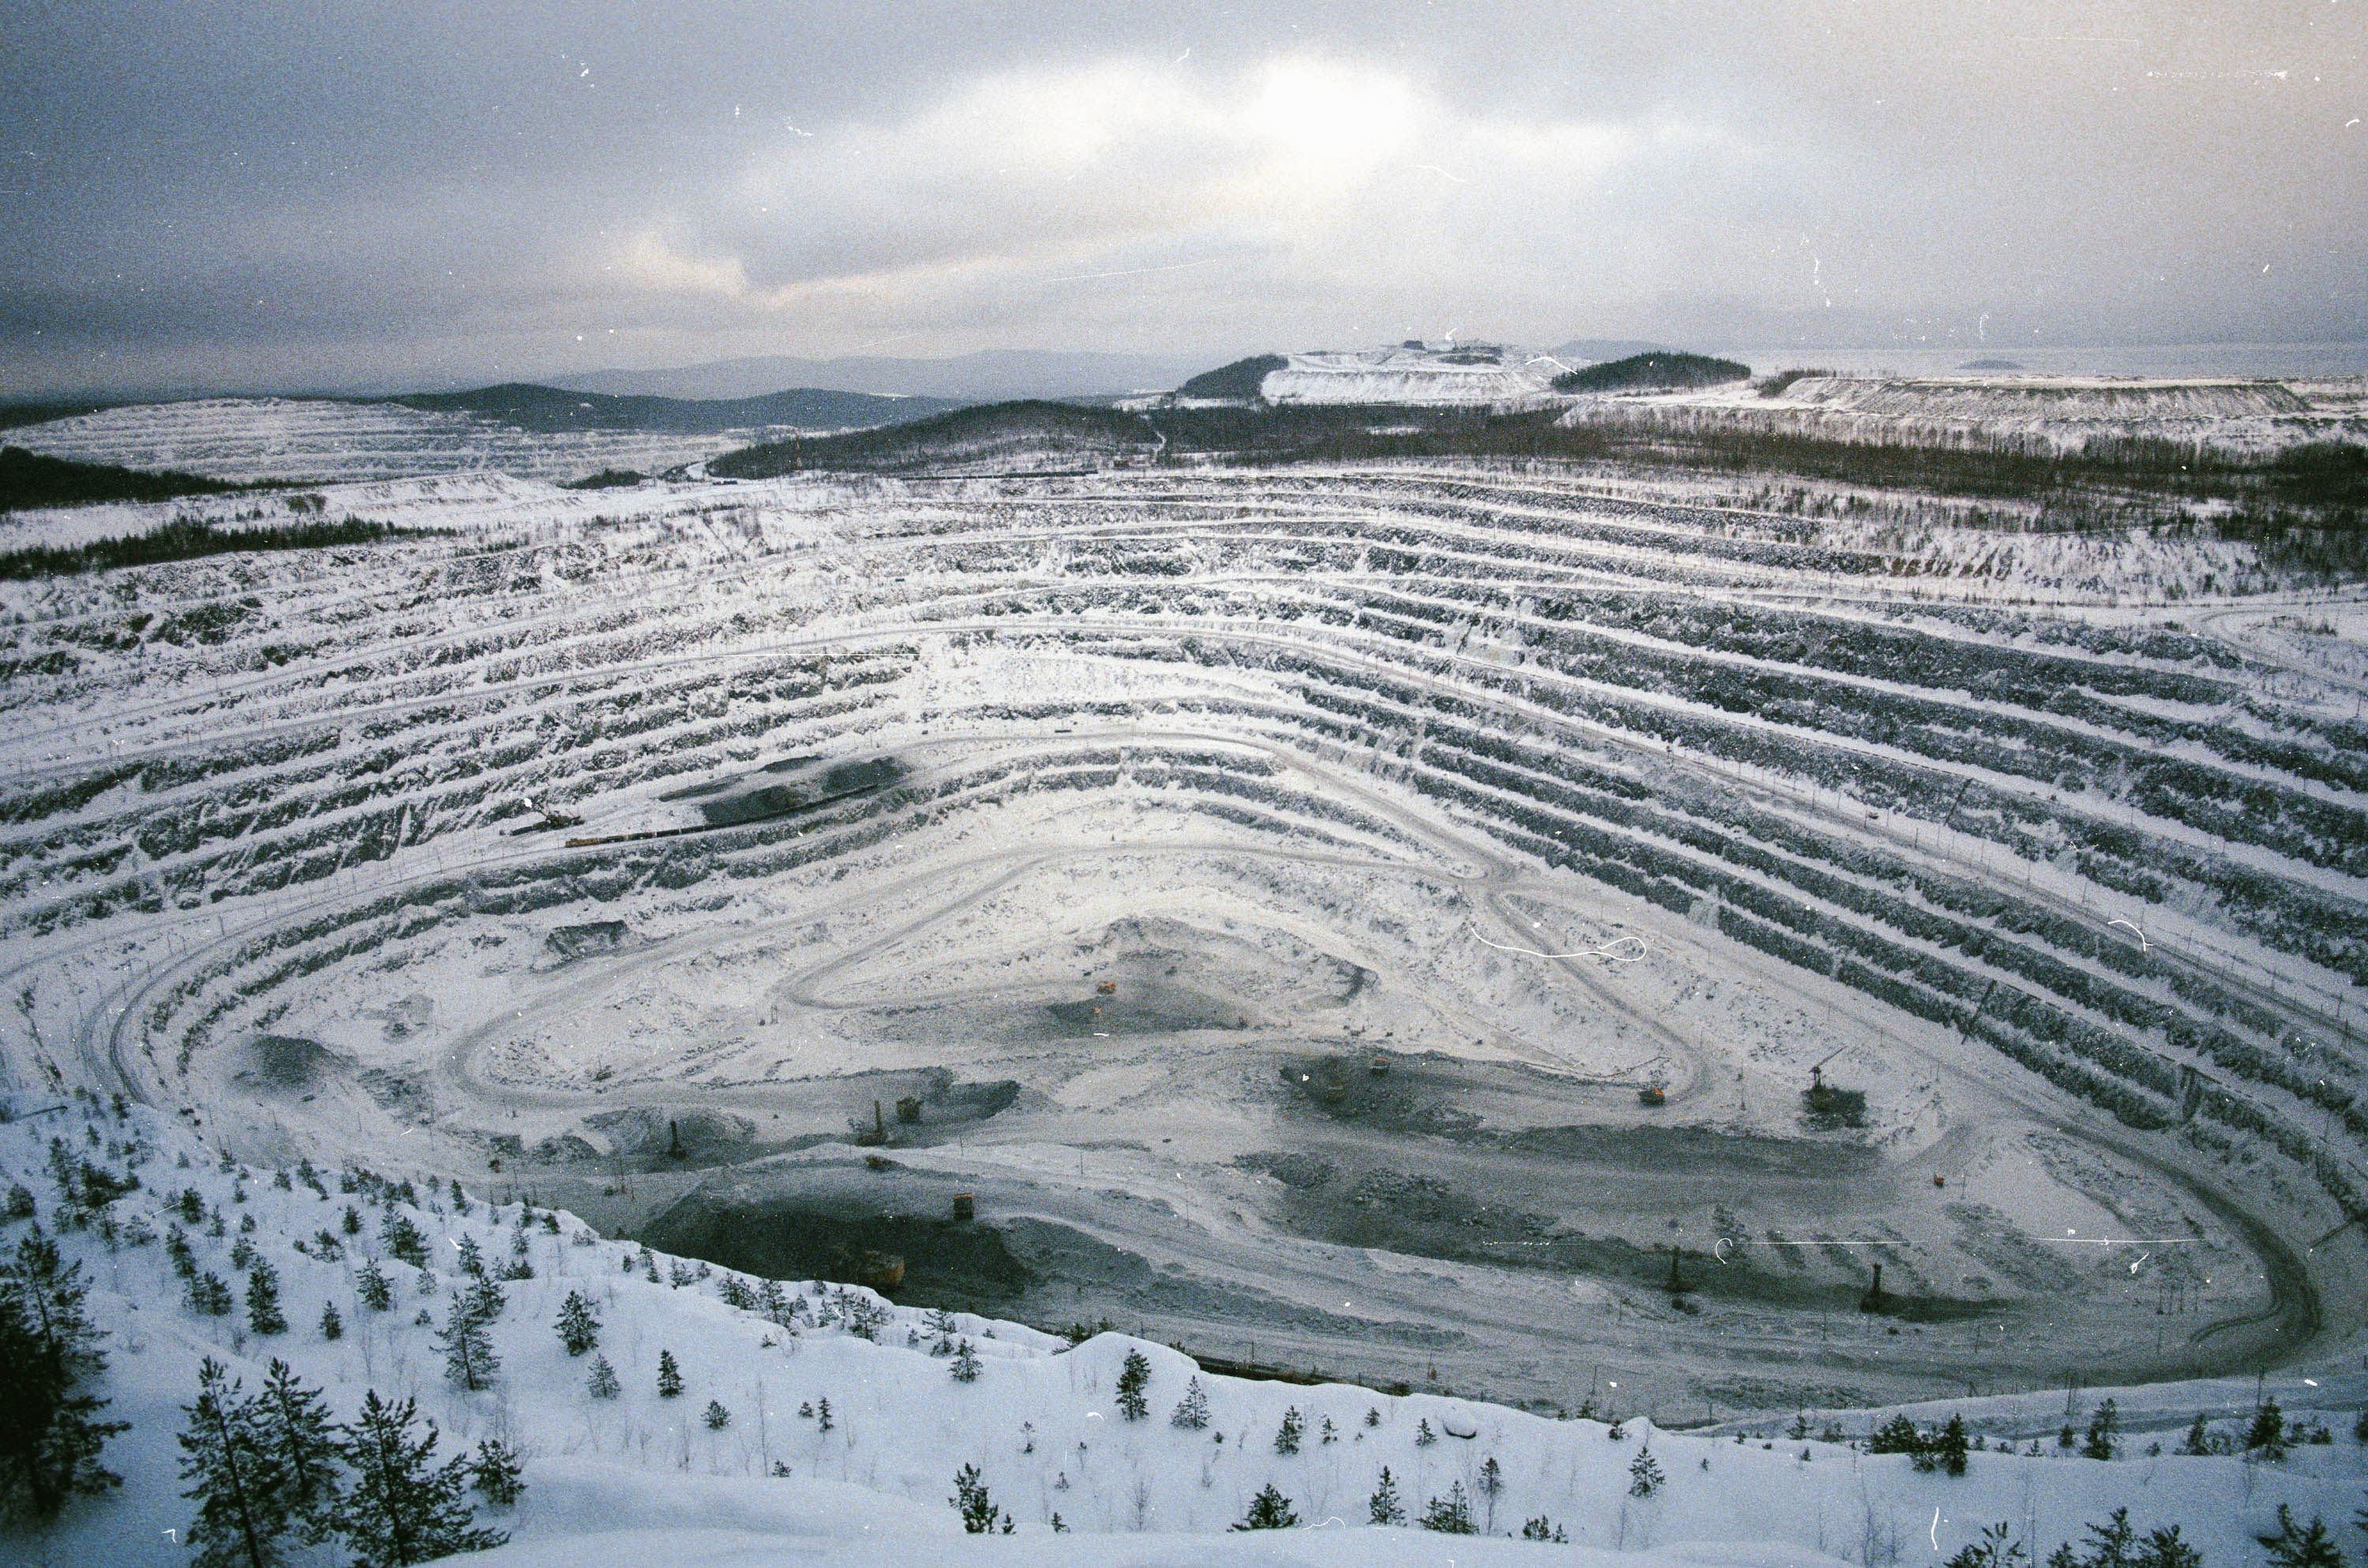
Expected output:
{"points": [[1450, 942], [2223, 414], [1413, 374], [306, 440]]}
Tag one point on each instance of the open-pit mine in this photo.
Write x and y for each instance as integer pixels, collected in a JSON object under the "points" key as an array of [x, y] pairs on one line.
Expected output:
{"points": [[1539, 931]]}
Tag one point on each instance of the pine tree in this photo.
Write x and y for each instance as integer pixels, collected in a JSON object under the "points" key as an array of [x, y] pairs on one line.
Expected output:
{"points": [[1329, 1434], [263, 1313], [1950, 1447], [669, 1376], [376, 1290], [404, 1507], [1996, 1549], [579, 1329], [1644, 1476], [210, 1295], [469, 1358], [964, 1368], [485, 1298], [1491, 1483], [1450, 1515], [495, 1474], [602, 1384], [403, 1240], [2102, 1427], [293, 1424], [716, 1417], [235, 1478], [471, 1259], [2111, 1544], [332, 1325], [1286, 1436], [1192, 1410], [2165, 1550], [822, 1413], [1384, 1504], [2267, 1436], [979, 1514], [1543, 1528], [1133, 1375], [49, 1434], [1897, 1436], [352, 1222], [1269, 1510], [1423, 1436], [2199, 1440], [2301, 1545]]}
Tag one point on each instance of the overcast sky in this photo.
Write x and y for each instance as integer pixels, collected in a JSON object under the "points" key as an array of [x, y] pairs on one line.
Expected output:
{"points": [[330, 192]]}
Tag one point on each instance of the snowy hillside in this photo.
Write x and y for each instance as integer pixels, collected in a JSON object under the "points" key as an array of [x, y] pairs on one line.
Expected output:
{"points": [[2065, 411], [748, 1417], [309, 442]]}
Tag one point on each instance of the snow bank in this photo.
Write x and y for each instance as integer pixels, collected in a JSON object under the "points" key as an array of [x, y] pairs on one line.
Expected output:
{"points": [[1340, 1546]]}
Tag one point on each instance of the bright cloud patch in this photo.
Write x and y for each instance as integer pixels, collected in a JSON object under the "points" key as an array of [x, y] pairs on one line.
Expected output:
{"points": [[1120, 176]]}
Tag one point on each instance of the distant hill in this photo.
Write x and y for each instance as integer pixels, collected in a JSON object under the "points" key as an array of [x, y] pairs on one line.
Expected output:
{"points": [[552, 409], [991, 376], [27, 479], [1654, 371], [1595, 350], [1239, 379], [1033, 435], [13, 414]]}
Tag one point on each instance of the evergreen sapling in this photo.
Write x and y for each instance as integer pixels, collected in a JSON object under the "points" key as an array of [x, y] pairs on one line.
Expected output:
{"points": [[1269, 1510], [403, 1507], [1133, 1375]]}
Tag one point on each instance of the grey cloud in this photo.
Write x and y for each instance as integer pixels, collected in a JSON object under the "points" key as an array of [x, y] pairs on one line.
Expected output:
{"points": [[371, 189]]}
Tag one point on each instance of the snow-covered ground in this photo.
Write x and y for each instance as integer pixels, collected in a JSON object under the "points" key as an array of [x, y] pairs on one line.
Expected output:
{"points": [[612, 1481], [308, 441], [1415, 817], [2230, 414]]}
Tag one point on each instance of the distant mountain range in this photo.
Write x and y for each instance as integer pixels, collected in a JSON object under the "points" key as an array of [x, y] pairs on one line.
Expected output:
{"points": [[553, 409], [991, 376]]}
